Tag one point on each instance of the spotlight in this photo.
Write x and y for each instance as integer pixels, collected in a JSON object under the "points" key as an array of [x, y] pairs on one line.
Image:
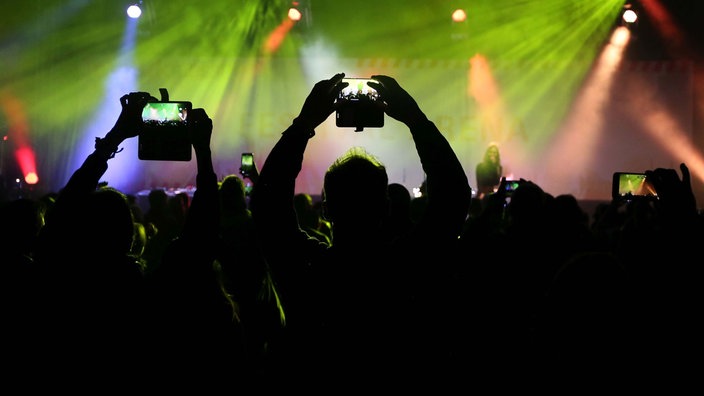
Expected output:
{"points": [[458, 31], [134, 11], [629, 16], [294, 14], [31, 178], [459, 15], [300, 13]]}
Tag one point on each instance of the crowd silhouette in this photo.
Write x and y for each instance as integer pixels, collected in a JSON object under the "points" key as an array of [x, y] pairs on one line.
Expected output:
{"points": [[368, 288]]}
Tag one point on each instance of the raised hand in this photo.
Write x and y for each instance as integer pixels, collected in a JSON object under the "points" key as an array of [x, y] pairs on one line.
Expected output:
{"points": [[200, 129], [399, 104], [675, 196], [129, 123], [320, 102]]}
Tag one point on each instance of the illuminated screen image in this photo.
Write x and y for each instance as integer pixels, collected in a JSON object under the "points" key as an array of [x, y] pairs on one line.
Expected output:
{"points": [[165, 113]]}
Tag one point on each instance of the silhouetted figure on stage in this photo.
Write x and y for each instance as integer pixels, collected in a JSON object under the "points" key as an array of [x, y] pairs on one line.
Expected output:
{"points": [[489, 171]]}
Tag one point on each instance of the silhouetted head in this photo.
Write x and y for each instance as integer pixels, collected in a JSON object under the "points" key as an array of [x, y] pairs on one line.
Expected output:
{"points": [[567, 210], [232, 194], [108, 222], [492, 155], [355, 190], [400, 200], [528, 204], [21, 220], [305, 211], [158, 198], [179, 203]]}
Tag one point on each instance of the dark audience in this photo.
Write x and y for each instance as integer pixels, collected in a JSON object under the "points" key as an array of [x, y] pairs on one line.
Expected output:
{"points": [[564, 305], [88, 291], [374, 289], [244, 273], [309, 219], [399, 220], [196, 329], [162, 224]]}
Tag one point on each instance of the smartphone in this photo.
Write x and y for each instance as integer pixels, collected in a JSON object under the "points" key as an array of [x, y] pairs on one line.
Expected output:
{"points": [[164, 135], [510, 186], [359, 105], [247, 166], [630, 185]]}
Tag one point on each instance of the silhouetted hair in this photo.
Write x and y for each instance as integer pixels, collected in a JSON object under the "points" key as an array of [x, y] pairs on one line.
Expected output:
{"points": [[305, 212], [401, 198], [20, 220], [232, 194], [492, 147], [109, 222], [356, 183], [158, 198]]}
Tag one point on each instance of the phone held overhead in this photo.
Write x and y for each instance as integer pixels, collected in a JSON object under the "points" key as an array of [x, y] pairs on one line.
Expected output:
{"points": [[359, 106], [247, 164], [629, 186], [164, 135]]}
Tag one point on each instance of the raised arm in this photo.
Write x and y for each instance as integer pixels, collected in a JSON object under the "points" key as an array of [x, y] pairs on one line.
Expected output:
{"points": [[449, 193], [272, 197], [86, 178], [204, 212], [128, 125]]}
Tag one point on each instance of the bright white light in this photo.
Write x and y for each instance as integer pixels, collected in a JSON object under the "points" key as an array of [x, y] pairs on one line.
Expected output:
{"points": [[630, 16], [459, 15], [31, 178], [134, 11], [294, 14]]}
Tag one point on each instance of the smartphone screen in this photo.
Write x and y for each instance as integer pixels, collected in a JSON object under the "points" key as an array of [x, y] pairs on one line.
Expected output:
{"points": [[358, 89], [247, 166], [247, 160], [510, 186], [629, 185], [173, 113], [358, 105]]}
